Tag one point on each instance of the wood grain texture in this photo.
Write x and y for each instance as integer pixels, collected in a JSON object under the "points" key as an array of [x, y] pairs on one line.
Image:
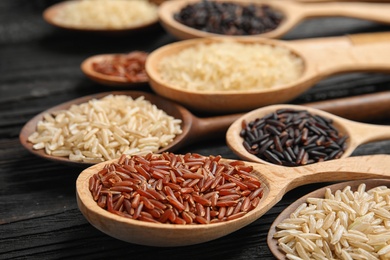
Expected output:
{"points": [[40, 68]]}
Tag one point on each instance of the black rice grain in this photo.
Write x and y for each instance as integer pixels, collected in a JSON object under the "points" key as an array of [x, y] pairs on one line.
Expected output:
{"points": [[293, 137], [229, 18]]}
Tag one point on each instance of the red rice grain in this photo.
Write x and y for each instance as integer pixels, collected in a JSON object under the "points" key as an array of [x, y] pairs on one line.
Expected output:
{"points": [[176, 189]]}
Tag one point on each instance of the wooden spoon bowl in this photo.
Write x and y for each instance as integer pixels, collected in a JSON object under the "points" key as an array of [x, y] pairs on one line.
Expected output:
{"points": [[50, 14], [320, 193], [292, 11], [193, 128], [104, 79], [321, 57], [276, 182], [358, 133]]}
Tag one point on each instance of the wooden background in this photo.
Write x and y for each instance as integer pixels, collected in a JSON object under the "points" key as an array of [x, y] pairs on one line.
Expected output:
{"points": [[40, 68]]}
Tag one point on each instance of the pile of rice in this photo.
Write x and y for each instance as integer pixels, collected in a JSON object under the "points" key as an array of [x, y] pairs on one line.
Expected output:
{"points": [[231, 66], [343, 225], [106, 14], [104, 129]]}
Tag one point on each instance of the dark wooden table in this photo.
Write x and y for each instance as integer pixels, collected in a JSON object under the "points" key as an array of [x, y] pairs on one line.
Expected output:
{"points": [[40, 68]]}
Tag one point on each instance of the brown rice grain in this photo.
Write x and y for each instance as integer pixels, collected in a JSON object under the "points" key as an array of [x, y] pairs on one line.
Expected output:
{"points": [[347, 229], [105, 128]]}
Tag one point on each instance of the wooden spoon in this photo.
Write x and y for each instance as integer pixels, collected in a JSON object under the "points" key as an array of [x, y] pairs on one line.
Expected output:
{"points": [[322, 57], [193, 128], [320, 193], [104, 79], [275, 180], [196, 129], [358, 133], [293, 12], [50, 14]]}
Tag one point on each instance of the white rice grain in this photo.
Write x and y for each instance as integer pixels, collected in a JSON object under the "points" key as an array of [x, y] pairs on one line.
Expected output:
{"points": [[106, 14], [230, 66]]}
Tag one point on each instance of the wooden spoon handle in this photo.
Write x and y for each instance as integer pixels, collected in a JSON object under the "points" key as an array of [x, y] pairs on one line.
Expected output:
{"points": [[369, 38], [296, 11], [368, 107], [334, 55], [365, 107], [351, 168], [365, 133], [377, 12], [211, 127]]}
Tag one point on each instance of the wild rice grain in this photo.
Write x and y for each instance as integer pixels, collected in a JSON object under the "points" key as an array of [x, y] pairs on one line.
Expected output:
{"points": [[194, 198]]}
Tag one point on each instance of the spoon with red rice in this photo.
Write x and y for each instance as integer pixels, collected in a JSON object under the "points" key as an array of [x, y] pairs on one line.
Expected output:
{"points": [[275, 182]]}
